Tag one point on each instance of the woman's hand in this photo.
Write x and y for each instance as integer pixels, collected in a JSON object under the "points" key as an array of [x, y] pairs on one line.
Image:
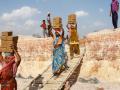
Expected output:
{"points": [[56, 46], [13, 47]]}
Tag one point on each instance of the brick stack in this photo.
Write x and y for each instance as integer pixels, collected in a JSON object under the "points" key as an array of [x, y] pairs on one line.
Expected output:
{"points": [[72, 19], [57, 22], [7, 40]]}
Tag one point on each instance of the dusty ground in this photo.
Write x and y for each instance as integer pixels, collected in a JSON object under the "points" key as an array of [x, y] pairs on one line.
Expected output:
{"points": [[103, 86], [33, 69]]}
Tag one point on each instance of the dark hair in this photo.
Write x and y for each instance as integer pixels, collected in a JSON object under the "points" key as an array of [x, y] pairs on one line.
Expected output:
{"points": [[43, 20], [48, 14]]}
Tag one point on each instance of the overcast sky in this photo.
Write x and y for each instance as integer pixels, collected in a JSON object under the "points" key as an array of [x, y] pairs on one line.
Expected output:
{"points": [[24, 16]]}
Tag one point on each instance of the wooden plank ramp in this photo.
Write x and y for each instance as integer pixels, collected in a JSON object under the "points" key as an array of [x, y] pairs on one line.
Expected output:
{"points": [[56, 83], [46, 81]]}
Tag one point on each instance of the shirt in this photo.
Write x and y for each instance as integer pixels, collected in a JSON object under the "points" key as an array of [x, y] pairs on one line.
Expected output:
{"points": [[43, 25], [114, 6]]}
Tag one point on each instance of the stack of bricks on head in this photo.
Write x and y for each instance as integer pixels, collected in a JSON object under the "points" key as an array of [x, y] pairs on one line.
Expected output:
{"points": [[7, 41], [72, 19], [57, 22]]}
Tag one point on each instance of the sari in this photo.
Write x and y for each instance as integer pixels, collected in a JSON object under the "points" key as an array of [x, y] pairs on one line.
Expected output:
{"points": [[58, 56], [74, 48], [7, 75]]}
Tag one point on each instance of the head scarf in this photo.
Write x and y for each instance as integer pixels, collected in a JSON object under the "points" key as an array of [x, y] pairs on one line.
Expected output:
{"points": [[7, 54], [60, 31]]}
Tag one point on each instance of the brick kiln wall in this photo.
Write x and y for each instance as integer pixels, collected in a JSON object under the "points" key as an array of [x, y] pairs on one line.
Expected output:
{"points": [[102, 57]]}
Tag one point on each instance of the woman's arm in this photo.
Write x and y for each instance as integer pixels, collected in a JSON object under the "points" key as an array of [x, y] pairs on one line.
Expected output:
{"points": [[59, 42], [67, 26], [51, 34], [18, 58]]}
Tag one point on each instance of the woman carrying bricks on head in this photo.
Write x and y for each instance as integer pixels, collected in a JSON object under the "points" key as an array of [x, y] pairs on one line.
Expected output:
{"points": [[58, 63], [73, 37], [114, 12], [9, 64]]}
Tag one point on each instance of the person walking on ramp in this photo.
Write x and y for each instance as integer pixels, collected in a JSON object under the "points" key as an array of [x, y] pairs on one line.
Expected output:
{"points": [[74, 39], [58, 64]]}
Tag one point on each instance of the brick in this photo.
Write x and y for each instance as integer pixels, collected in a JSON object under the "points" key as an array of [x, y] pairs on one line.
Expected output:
{"points": [[4, 38], [57, 22], [4, 49], [57, 26], [9, 38], [7, 33], [9, 49], [72, 18], [3, 43], [57, 19], [15, 39], [10, 42]]}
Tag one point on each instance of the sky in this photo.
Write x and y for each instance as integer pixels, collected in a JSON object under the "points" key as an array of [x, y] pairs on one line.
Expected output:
{"points": [[23, 17]]}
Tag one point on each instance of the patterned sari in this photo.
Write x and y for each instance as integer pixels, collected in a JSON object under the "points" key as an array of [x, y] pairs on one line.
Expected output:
{"points": [[58, 56]]}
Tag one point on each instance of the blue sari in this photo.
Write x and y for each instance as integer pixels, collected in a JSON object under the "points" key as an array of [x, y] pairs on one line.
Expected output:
{"points": [[58, 56]]}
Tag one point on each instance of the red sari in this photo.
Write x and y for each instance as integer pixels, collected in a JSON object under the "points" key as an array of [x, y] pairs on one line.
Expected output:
{"points": [[7, 75]]}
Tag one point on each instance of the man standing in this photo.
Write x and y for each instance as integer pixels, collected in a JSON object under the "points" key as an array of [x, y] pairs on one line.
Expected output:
{"points": [[49, 24], [43, 26], [114, 12]]}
